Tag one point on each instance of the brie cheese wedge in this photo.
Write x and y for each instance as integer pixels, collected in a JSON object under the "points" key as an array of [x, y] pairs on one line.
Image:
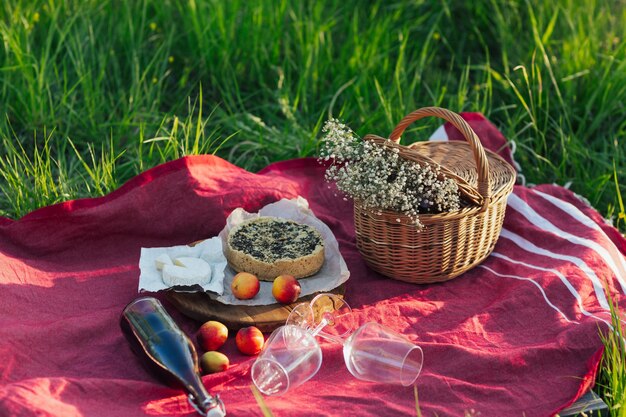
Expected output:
{"points": [[162, 260], [187, 271]]}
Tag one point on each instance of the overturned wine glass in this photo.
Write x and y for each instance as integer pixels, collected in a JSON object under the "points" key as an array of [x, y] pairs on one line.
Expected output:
{"points": [[376, 353], [291, 356]]}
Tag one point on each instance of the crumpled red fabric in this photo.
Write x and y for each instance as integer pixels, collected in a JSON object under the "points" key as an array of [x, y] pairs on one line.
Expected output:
{"points": [[517, 335]]}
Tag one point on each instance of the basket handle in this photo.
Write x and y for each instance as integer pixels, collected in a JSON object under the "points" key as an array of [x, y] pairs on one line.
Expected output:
{"points": [[480, 157]]}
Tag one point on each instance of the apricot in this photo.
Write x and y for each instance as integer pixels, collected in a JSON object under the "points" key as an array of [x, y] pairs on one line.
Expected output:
{"points": [[212, 362], [212, 335], [286, 289], [249, 340], [245, 286]]}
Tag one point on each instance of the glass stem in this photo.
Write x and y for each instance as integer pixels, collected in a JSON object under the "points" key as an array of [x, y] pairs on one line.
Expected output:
{"points": [[315, 332], [319, 327]]}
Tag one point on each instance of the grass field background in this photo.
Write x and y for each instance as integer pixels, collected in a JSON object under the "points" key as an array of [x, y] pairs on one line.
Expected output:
{"points": [[94, 92]]}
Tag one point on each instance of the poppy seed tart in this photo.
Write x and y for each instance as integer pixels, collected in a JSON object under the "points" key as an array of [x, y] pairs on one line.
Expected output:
{"points": [[270, 246]]}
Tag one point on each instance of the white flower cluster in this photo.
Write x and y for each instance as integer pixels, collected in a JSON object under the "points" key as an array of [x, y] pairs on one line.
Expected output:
{"points": [[380, 178]]}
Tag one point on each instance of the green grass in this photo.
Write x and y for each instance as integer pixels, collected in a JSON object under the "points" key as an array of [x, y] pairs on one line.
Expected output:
{"points": [[111, 76], [94, 92], [612, 380]]}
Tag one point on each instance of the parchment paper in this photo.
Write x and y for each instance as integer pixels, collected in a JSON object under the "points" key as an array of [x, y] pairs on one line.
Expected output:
{"points": [[333, 273], [150, 278]]}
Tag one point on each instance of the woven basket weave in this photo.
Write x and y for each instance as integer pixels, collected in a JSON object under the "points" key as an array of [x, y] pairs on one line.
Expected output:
{"points": [[449, 243]]}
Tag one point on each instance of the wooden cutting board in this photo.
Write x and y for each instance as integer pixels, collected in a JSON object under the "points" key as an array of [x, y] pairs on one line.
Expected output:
{"points": [[201, 307]]}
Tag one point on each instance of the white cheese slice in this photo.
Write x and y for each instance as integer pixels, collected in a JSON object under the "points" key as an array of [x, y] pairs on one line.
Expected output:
{"points": [[187, 271], [162, 260]]}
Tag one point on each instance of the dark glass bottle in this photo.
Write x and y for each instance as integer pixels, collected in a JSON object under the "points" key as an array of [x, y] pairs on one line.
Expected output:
{"points": [[167, 351]]}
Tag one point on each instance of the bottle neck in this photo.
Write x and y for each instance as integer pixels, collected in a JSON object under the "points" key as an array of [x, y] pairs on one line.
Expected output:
{"points": [[203, 402]]}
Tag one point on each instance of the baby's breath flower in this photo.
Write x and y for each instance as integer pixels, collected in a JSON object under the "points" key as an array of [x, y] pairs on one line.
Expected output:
{"points": [[382, 180]]}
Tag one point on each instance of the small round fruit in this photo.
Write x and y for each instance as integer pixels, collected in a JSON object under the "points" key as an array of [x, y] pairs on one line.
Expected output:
{"points": [[212, 362], [249, 340], [212, 335], [286, 289], [245, 286]]}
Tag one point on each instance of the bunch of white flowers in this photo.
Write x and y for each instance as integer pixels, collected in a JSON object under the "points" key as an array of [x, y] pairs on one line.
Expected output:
{"points": [[380, 178]]}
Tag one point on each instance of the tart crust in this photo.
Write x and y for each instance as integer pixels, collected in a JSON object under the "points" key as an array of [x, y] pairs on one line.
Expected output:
{"points": [[255, 246]]}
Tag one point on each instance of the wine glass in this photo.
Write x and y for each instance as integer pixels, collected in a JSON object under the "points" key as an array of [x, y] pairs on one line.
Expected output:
{"points": [[291, 357], [376, 353]]}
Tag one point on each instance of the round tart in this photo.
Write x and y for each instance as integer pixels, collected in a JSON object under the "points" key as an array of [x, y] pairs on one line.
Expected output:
{"points": [[270, 246]]}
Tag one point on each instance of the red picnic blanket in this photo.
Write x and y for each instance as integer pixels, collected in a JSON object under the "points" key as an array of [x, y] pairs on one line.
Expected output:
{"points": [[515, 336]]}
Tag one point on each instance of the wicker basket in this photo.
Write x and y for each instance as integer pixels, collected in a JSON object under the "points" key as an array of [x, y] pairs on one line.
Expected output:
{"points": [[450, 243]]}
